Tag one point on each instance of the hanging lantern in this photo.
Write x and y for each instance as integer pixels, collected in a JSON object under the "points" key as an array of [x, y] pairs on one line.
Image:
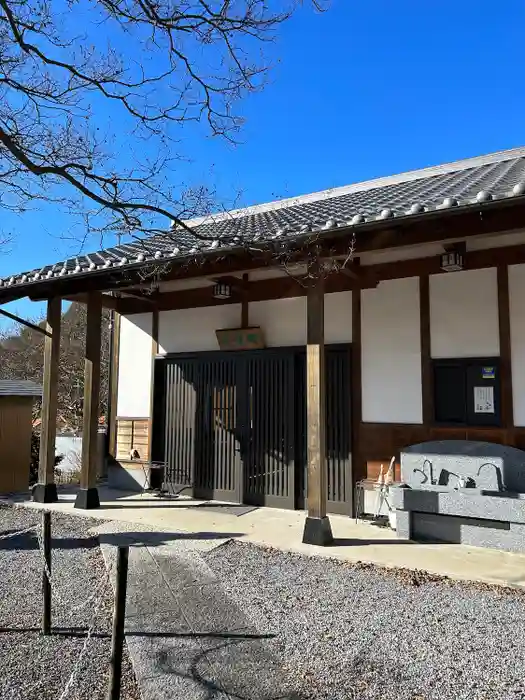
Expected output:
{"points": [[452, 261], [222, 290]]}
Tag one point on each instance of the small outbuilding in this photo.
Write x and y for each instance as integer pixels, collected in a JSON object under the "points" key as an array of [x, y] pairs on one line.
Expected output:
{"points": [[16, 407]]}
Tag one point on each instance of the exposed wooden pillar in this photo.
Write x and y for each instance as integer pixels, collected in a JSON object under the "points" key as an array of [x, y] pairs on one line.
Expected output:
{"points": [[45, 490], [317, 529], [154, 353], [426, 360], [358, 464], [87, 497], [507, 408], [113, 384]]}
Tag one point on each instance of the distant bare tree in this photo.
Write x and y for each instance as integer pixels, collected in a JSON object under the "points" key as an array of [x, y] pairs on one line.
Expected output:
{"points": [[21, 357], [87, 87]]}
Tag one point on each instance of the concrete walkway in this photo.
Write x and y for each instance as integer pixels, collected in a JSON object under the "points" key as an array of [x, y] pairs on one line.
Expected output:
{"points": [[283, 530], [187, 639]]}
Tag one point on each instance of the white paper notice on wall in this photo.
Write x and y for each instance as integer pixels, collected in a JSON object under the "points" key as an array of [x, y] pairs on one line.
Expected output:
{"points": [[483, 399]]}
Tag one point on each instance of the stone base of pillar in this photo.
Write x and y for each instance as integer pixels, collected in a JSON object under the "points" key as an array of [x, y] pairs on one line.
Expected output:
{"points": [[45, 493], [87, 499], [318, 531]]}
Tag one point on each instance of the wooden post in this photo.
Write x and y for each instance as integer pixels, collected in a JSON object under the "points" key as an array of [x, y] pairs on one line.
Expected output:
{"points": [[358, 463], [87, 497], [119, 614], [46, 581], [113, 384], [45, 491], [427, 379], [154, 352], [507, 404], [317, 529]]}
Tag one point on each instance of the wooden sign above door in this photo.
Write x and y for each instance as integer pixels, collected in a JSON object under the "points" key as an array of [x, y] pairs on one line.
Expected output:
{"points": [[240, 338]]}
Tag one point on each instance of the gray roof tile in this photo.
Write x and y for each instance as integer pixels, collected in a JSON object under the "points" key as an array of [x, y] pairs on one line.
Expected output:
{"points": [[473, 181], [19, 387]]}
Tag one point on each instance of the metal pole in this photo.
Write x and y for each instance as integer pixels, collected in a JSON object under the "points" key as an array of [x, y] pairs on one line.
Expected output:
{"points": [[46, 583], [119, 614]]}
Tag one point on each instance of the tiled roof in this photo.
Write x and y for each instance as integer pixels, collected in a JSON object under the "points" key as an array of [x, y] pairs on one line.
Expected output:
{"points": [[19, 387], [471, 182]]}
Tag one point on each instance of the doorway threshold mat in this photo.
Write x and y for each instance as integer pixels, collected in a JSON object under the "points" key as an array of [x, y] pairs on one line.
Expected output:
{"points": [[227, 508]]}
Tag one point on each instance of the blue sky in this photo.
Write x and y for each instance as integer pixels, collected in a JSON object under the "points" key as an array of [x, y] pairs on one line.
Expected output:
{"points": [[365, 89]]}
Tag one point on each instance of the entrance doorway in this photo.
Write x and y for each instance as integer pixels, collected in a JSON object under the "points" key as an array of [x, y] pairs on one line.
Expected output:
{"points": [[232, 426]]}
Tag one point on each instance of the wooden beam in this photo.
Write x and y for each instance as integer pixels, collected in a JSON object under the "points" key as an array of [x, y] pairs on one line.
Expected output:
{"points": [[507, 408], [317, 529], [234, 282], [108, 301], [262, 290], [113, 387], [154, 353], [459, 223], [25, 323], [358, 465], [427, 388], [137, 294], [286, 287], [87, 497], [348, 272], [45, 491]]}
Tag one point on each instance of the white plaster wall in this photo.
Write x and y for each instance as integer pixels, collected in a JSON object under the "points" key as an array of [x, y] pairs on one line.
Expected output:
{"points": [[284, 320], [193, 330], [391, 352], [517, 339], [134, 371], [464, 314]]}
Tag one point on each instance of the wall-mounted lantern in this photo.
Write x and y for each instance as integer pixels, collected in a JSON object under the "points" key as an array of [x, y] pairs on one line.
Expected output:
{"points": [[222, 290], [452, 261]]}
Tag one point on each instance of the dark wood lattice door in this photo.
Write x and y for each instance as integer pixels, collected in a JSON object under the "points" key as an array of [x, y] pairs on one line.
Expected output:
{"points": [[218, 461], [268, 454]]}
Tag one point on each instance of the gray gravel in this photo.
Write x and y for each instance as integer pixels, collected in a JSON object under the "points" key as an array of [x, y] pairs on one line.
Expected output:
{"points": [[349, 632], [33, 666]]}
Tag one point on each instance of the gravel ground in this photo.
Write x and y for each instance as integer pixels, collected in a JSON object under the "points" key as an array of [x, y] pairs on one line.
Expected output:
{"points": [[358, 632], [33, 666]]}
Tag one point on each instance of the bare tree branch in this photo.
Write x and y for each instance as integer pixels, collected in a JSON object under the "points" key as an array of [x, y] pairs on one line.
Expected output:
{"points": [[75, 108]]}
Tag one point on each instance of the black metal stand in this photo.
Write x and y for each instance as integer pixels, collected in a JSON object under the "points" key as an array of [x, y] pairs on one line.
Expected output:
{"points": [[119, 614], [46, 583]]}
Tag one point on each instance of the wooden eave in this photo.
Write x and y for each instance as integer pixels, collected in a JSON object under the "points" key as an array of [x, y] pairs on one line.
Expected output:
{"points": [[439, 225]]}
